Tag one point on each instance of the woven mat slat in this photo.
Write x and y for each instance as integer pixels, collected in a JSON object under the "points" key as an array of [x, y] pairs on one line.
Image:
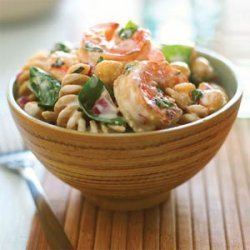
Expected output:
{"points": [[210, 211]]}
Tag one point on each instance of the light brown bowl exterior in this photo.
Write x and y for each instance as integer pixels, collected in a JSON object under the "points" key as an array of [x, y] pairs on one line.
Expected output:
{"points": [[129, 171]]}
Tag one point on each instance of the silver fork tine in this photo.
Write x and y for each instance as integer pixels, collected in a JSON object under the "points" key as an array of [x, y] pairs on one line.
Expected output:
{"points": [[19, 156], [21, 162]]}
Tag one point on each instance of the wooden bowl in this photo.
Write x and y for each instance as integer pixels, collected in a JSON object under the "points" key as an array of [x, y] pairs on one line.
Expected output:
{"points": [[131, 171]]}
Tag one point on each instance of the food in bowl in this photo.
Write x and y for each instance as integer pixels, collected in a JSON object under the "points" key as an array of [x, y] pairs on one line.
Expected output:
{"points": [[118, 80], [119, 171]]}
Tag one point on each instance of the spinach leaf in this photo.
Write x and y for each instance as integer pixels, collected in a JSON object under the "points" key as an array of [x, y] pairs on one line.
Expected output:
{"points": [[58, 63], [93, 48], [163, 103], [62, 46], [131, 25], [196, 95], [88, 96], [128, 31], [44, 86], [175, 53]]}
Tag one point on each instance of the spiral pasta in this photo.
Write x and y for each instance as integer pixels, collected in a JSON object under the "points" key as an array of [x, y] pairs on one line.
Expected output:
{"points": [[27, 99], [38, 60], [56, 63], [67, 108]]}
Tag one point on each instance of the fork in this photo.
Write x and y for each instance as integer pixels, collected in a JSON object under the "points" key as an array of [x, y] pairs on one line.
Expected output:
{"points": [[22, 163]]}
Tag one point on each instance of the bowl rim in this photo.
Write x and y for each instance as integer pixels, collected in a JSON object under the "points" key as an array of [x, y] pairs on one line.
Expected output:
{"points": [[239, 91]]}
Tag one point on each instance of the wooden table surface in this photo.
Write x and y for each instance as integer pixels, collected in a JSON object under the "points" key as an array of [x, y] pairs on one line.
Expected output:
{"points": [[210, 211]]}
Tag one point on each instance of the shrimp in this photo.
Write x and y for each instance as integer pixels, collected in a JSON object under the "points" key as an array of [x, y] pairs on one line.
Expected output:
{"points": [[59, 62], [105, 40], [141, 96]]}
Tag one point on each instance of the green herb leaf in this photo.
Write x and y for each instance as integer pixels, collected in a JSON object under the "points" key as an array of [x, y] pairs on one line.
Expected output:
{"points": [[175, 53], [129, 66], [79, 70], [131, 25], [44, 86], [62, 46], [163, 103], [93, 48], [100, 59], [159, 90], [128, 31], [196, 95], [88, 96], [58, 63]]}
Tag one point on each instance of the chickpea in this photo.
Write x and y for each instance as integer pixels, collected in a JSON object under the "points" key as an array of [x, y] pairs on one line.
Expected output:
{"points": [[198, 109], [187, 118], [181, 93], [33, 109], [108, 71], [216, 86], [49, 116], [185, 87], [213, 99], [181, 98], [183, 67], [205, 86], [201, 69]]}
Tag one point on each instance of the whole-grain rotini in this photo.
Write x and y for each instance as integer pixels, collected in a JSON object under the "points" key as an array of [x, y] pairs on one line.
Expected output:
{"points": [[67, 108], [40, 60]]}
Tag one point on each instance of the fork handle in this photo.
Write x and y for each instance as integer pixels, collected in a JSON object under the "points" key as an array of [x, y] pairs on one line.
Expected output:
{"points": [[53, 230]]}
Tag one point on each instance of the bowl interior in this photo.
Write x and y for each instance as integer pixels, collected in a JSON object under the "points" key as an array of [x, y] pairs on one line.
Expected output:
{"points": [[224, 70]]}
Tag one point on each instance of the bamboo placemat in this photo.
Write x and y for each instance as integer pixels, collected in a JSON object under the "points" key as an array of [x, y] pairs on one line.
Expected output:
{"points": [[211, 211]]}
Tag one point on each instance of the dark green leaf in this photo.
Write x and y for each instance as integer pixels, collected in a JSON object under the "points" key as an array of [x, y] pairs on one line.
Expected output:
{"points": [[159, 90], [44, 86], [111, 92], [129, 66], [100, 59], [88, 96], [62, 46], [93, 48], [58, 63], [91, 92], [175, 53], [79, 70], [128, 31], [163, 103], [196, 95]]}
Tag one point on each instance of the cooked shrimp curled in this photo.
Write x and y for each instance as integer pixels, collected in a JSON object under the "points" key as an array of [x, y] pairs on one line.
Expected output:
{"points": [[141, 95], [103, 40]]}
